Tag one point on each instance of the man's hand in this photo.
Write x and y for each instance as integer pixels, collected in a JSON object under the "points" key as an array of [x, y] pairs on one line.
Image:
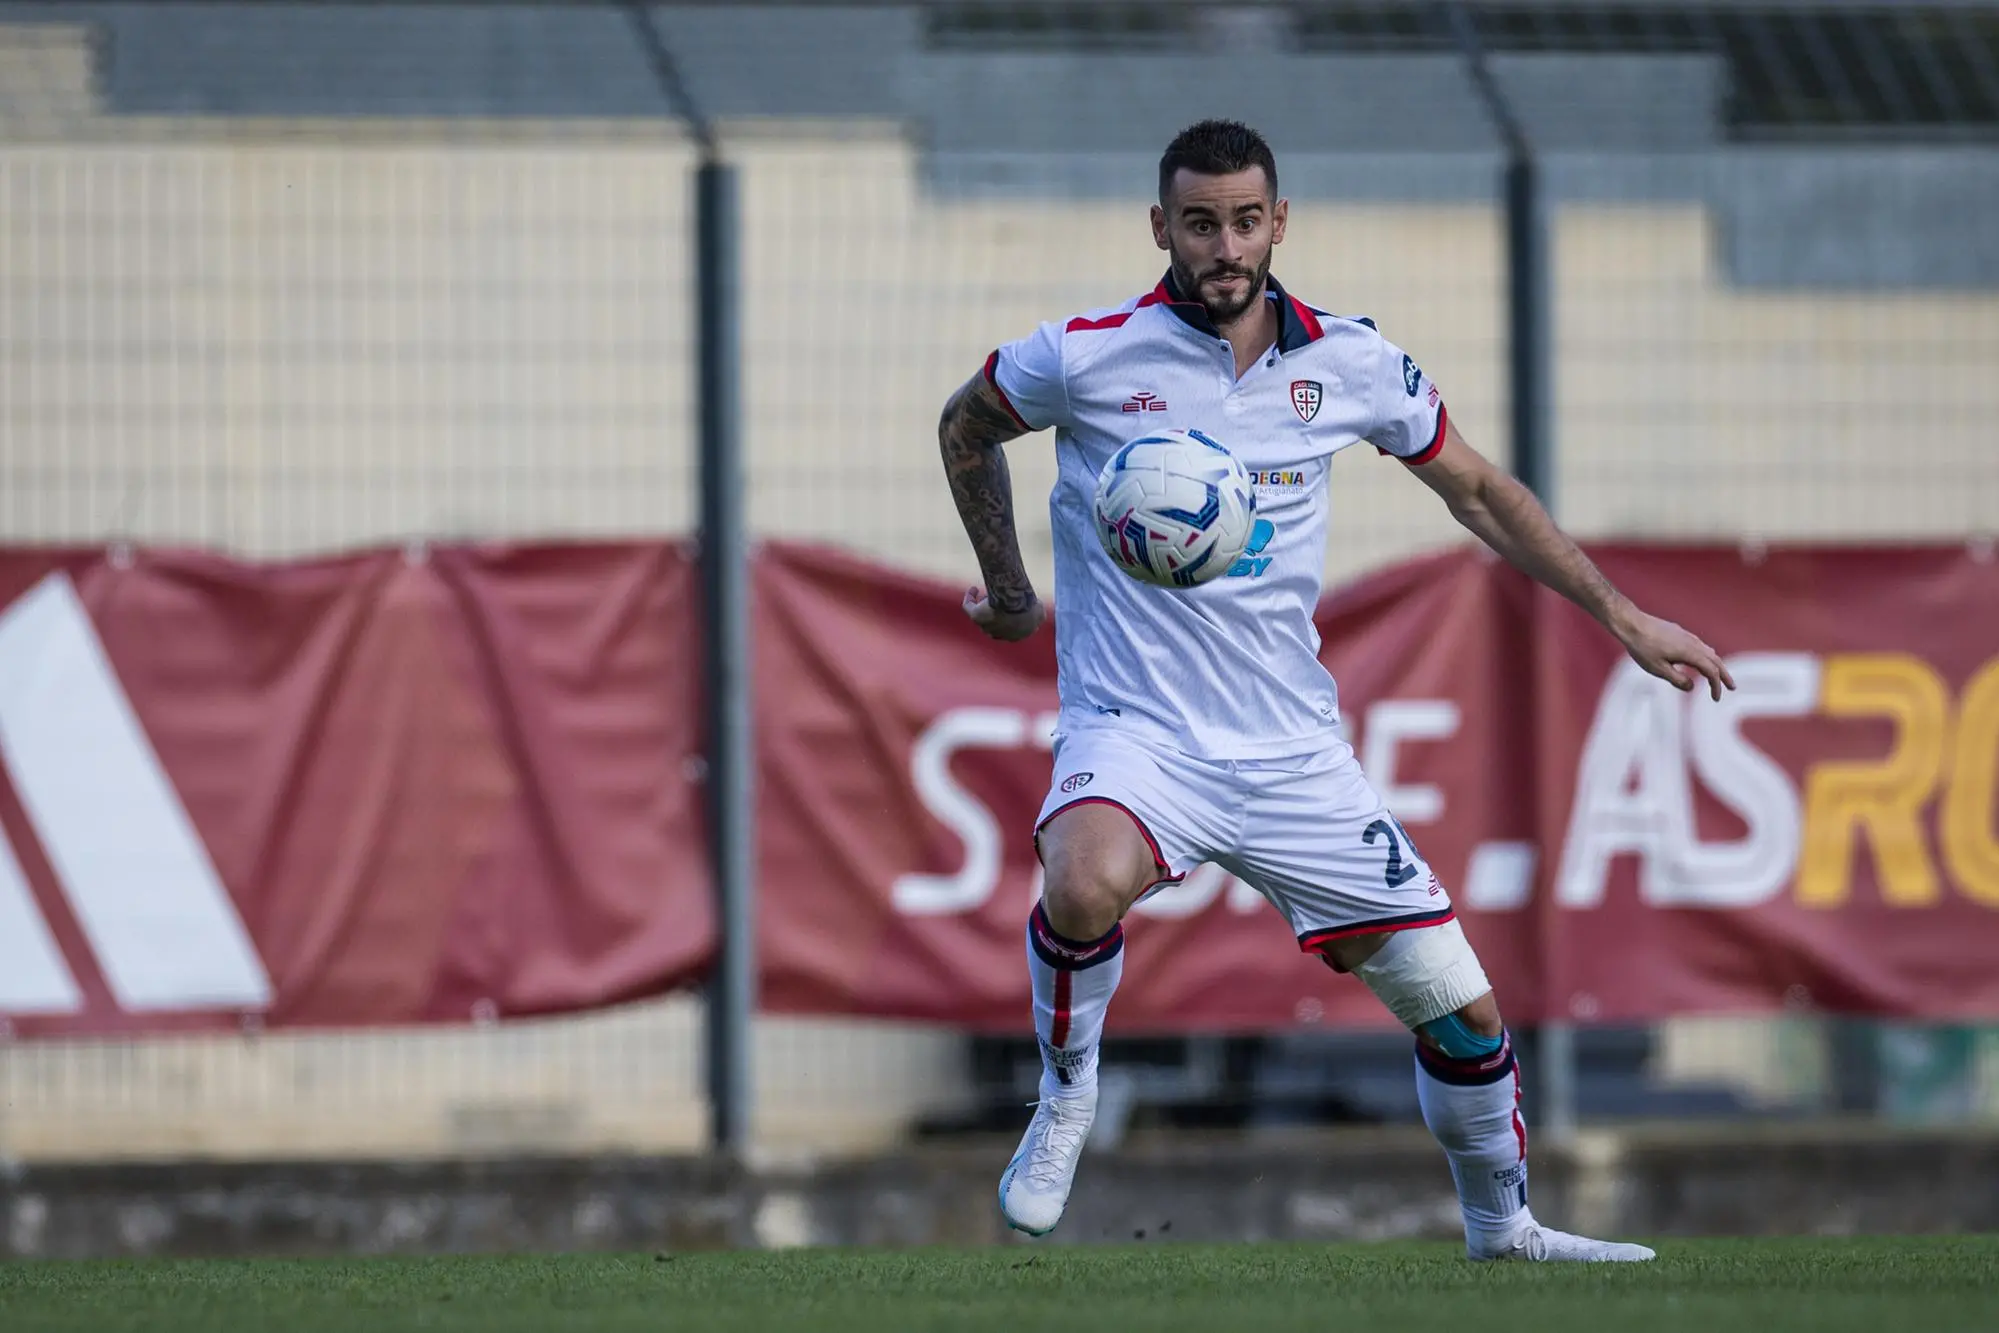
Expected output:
{"points": [[1669, 652], [1006, 626]]}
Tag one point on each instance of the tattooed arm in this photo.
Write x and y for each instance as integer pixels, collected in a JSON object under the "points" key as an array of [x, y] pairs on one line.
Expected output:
{"points": [[975, 424]]}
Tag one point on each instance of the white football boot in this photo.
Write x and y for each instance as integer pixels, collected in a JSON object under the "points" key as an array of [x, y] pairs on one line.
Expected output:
{"points": [[1535, 1243], [1035, 1187]]}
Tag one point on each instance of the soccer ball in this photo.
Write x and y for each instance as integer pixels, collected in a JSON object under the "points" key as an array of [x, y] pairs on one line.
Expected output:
{"points": [[1174, 508]]}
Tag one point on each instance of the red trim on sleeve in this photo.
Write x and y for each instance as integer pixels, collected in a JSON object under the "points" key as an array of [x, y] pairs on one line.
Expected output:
{"points": [[1157, 296], [1436, 446], [992, 378]]}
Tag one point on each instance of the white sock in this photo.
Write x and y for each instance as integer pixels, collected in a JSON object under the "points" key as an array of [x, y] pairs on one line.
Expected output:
{"points": [[1073, 984], [1473, 1108]]}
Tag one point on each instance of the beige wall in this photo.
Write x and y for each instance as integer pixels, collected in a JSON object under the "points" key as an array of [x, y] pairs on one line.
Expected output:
{"points": [[1688, 409], [280, 339], [625, 1081], [284, 343], [285, 338]]}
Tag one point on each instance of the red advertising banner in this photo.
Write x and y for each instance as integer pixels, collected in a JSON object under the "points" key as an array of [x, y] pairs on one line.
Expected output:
{"points": [[1826, 837], [386, 789], [363, 790], [904, 758]]}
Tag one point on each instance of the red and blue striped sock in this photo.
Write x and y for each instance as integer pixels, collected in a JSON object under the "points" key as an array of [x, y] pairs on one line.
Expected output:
{"points": [[1473, 1109], [1073, 985]]}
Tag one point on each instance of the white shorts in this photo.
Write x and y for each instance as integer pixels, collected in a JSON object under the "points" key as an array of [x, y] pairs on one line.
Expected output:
{"points": [[1310, 834]]}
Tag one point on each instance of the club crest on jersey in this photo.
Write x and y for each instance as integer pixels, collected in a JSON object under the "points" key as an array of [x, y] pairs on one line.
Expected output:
{"points": [[1306, 395], [1412, 375], [1076, 781]]}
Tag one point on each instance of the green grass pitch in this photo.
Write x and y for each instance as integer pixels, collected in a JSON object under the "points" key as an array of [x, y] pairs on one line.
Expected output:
{"points": [[1756, 1286]]}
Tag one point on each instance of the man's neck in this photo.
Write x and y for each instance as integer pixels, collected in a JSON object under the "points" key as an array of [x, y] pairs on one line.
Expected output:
{"points": [[1250, 334], [1253, 332]]}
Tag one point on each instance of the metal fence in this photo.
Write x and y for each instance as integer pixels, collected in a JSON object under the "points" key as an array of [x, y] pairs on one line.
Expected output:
{"points": [[437, 280]]}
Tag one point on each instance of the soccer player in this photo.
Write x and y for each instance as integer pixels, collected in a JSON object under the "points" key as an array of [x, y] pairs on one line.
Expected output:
{"points": [[1198, 724]]}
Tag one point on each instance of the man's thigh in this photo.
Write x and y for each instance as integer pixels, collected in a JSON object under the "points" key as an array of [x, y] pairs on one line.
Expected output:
{"points": [[1176, 805]]}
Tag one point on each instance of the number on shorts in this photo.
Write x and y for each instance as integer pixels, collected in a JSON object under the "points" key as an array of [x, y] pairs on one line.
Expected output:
{"points": [[1397, 874]]}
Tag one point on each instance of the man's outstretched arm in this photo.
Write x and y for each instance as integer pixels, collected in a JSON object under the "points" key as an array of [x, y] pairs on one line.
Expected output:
{"points": [[975, 424], [1503, 513]]}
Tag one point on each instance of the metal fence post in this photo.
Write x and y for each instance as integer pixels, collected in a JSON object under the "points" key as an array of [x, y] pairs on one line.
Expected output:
{"points": [[726, 588], [1529, 294]]}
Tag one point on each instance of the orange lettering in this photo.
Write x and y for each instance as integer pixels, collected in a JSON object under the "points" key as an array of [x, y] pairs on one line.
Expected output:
{"points": [[1970, 842], [1879, 800]]}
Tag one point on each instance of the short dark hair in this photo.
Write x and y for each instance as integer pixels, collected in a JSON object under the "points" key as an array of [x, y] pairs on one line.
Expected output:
{"points": [[1216, 148]]}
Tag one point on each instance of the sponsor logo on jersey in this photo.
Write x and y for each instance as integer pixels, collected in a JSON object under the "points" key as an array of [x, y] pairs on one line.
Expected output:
{"points": [[1077, 781], [1278, 481], [1412, 375], [1306, 395], [1252, 562], [1145, 402]]}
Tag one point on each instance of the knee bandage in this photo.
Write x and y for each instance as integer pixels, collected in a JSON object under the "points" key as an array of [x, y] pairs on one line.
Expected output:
{"points": [[1423, 975]]}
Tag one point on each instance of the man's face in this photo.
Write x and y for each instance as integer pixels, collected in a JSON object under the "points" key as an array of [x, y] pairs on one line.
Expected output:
{"points": [[1218, 232]]}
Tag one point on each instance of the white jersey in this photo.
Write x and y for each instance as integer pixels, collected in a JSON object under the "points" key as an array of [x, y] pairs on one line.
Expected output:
{"points": [[1229, 669]]}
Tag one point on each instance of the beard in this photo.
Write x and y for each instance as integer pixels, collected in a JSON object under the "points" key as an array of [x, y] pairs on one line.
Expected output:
{"points": [[1221, 308]]}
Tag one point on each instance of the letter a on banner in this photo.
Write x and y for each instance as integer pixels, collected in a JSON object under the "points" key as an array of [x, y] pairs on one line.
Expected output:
{"points": [[163, 927], [33, 977]]}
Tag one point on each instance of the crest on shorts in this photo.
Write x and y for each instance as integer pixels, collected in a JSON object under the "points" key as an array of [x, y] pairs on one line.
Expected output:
{"points": [[1076, 781], [1306, 395]]}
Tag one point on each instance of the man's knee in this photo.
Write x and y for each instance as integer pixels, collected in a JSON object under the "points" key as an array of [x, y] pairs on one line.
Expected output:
{"points": [[1081, 906], [1482, 1016], [1473, 1032], [1095, 865], [1432, 981]]}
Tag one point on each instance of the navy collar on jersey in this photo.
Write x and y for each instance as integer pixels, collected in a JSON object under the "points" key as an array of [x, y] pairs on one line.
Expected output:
{"points": [[1297, 324]]}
